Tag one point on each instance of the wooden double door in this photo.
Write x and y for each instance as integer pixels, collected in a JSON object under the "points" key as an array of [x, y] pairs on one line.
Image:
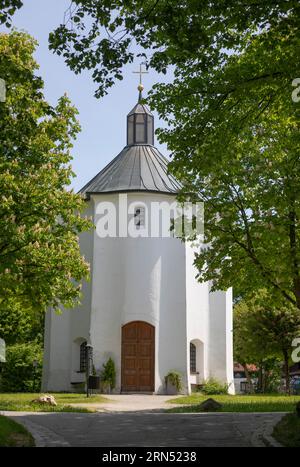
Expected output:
{"points": [[138, 353]]}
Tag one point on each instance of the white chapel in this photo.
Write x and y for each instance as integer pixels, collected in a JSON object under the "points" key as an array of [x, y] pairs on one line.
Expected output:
{"points": [[143, 306]]}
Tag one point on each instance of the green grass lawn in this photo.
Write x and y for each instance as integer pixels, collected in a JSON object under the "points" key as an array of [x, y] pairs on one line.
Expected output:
{"points": [[22, 402], [14, 435], [240, 403], [287, 431]]}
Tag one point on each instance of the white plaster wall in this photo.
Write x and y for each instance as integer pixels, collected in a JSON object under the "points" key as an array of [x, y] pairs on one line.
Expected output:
{"points": [[220, 339], [147, 279], [237, 384], [60, 363], [56, 373], [197, 317], [139, 279]]}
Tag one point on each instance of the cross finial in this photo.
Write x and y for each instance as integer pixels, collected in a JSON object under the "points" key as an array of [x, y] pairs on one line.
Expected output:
{"points": [[141, 73]]}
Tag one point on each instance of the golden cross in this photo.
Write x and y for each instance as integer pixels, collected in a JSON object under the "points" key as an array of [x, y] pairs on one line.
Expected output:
{"points": [[141, 72]]}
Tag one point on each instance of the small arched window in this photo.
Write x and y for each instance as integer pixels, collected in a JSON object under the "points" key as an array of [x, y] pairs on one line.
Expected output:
{"points": [[193, 362], [83, 356]]}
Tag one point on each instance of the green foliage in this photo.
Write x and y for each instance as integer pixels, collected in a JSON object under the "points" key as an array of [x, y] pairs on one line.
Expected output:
{"points": [[263, 334], [195, 37], [40, 261], [232, 125], [262, 330], [270, 375], [249, 180], [234, 134], [175, 379], [213, 386], [19, 373], [108, 374], [20, 325], [8, 9]]}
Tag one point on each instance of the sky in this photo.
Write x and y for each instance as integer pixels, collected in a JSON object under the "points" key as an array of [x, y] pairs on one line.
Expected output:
{"points": [[103, 121]]}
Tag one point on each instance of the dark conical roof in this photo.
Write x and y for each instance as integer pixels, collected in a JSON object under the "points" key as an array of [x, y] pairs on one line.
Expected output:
{"points": [[139, 166], [136, 168]]}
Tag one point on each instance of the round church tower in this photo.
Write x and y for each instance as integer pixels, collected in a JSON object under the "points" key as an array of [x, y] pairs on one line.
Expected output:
{"points": [[138, 278], [143, 306]]}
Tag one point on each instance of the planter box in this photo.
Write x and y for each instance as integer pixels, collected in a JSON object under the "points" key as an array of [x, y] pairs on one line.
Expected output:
{"points": [[171, 389], [94, 382], [105, 388]]}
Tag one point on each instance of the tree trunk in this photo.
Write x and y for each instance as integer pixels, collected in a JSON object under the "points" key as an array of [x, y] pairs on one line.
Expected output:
{"points": [[293, 221], [264, 380], [249, 380], [286, 372], [297, 291], [260, 378]]}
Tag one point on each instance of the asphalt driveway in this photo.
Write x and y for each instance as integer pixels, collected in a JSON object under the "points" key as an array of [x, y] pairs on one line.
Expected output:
{"points": [[147, 429]]}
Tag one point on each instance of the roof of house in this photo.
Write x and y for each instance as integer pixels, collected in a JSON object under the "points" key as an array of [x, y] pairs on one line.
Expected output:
{"points": [[239, 368]]}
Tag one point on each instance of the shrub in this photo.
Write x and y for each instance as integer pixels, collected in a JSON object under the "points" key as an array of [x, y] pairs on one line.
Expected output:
{"points": [[174, 378], [213, 386], [108, 374], [19, 373]]}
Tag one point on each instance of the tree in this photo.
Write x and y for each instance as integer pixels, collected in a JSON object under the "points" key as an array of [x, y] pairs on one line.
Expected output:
{"points": [[250, 349], [20, 325], [233, 127], [8, 9], [245, 165], [40, 261], [22, 371], [263, 331], [186, 34], [232, 124]]}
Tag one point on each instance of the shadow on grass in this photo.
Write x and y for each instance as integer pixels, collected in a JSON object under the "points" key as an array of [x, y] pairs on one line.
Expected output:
{"points": [[13, 434], [287, 431]]}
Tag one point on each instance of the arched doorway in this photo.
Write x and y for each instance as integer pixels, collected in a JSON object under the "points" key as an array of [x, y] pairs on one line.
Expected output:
{"points": [[138, 350]]}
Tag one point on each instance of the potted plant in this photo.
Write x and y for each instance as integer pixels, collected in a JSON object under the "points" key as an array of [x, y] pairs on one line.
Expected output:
{"points": [[108, 376], [173, 382]]}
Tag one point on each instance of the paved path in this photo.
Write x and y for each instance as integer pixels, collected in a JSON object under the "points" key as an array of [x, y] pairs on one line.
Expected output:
{"points": [[146, 429], [131, 403]]}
